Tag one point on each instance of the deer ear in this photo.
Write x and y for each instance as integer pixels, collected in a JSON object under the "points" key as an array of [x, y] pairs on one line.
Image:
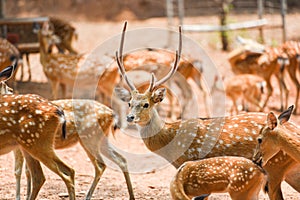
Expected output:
{"points": [[285, 115], [123, 94], [272, 121], [158, 95]]}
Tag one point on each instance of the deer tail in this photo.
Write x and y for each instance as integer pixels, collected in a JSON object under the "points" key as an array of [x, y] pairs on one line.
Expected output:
{"points": [[62, 118]]}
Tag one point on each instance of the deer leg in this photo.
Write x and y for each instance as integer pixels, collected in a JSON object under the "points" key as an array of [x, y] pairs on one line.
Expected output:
{"points": [[19, 160], [28, 178], [293, 76], [50, 160], [270, 91], [22, 67], [36, 174], [64, 90], [283, 90], [54, 87], [297, 98], [92, 147], [234, 106], [18, 172], [114, 156], [28, 66]]}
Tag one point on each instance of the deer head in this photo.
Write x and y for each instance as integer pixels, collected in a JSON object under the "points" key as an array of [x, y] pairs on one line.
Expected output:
{"points": [[268, 139], [47, 37], [142, 104]]}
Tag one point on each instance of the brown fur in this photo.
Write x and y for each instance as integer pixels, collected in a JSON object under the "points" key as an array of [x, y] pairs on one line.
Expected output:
{"points": [[238, 176], [89, 123], [29, 123]]}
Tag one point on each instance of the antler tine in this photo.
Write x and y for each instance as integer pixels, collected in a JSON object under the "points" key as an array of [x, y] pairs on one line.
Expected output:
{"points": [[175, 66], [119, 57], [152, 81]]}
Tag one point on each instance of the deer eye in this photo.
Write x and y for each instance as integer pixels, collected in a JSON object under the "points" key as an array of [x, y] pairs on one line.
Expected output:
{"points": [[129, 104], [146, 105]]}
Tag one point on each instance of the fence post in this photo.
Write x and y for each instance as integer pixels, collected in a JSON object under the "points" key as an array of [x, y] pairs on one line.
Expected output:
{"points": [[2, 8], [181, 11], [283, 8], [260, 10]]}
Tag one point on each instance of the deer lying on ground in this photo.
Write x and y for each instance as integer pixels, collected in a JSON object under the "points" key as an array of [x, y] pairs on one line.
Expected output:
{"points": [[30, 123], [238, 176], [265, 64], [195, 139], [246, 87], [277, 136]]}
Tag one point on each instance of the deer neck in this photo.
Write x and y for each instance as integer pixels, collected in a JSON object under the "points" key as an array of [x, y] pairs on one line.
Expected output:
{"points": [[154, 133], [289, 142], [43, 50]]}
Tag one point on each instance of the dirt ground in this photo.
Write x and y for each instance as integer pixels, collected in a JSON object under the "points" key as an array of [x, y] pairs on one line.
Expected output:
{"points": [[154, 184]]}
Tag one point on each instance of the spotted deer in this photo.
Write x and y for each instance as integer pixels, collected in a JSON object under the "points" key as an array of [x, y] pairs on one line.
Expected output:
{"points": [[265, 64], [278, 136], [246, 87], [292, 49], [30, 123], [240, 177], [60, 69], [199, 138], [89, 123]]}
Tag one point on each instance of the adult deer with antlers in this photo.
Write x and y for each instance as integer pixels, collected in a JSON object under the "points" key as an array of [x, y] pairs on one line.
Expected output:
{"points": [[195, 139], [277, 136], [30, 123], [240, 177]]}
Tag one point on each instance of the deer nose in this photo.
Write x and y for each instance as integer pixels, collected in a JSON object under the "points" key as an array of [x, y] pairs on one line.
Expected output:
{"points": [[130, 118]]}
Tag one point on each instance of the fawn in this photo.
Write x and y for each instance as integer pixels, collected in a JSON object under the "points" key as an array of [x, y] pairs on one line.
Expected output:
{"points": [[277, 136], [238, 176], [247, 87]]}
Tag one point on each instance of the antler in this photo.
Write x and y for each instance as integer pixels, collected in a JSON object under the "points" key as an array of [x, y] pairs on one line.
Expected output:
{"points": [[153, 83], [119, 57]]}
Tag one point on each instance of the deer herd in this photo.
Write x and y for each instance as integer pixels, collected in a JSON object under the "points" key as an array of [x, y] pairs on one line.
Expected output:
{"points": [[240, 154]]}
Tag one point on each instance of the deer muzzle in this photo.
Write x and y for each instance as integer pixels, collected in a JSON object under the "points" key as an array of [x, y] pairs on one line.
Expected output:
{"points": [[130, 118]]}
